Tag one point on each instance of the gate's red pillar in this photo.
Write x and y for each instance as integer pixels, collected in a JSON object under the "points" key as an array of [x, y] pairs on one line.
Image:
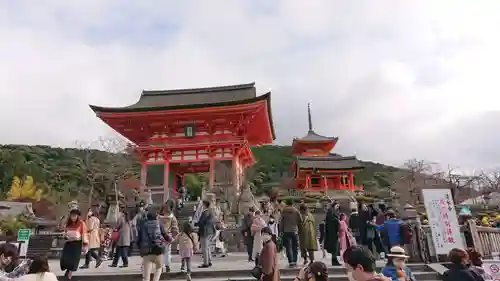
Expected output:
{"points": [[166, 179], [144, 176]]}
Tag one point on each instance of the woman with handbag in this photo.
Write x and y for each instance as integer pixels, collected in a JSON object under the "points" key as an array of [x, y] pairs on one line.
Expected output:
{"points": [[267, 268]]}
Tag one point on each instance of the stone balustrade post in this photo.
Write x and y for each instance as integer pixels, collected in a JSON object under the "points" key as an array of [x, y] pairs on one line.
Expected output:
{"points": [[416, 248]]}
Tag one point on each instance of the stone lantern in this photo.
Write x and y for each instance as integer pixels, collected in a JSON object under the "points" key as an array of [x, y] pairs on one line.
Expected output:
{"points": [[410, 212]]}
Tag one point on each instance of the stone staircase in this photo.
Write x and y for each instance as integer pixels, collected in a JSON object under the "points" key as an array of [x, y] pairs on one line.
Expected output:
{"points": [[422, 272]]}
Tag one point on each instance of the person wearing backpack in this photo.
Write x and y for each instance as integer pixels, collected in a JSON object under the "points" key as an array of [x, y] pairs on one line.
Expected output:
{"points": [[188, 245], [151, 240]]}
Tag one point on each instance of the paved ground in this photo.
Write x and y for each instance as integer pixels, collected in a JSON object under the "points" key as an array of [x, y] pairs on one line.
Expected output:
{"points": [[234, 261]]}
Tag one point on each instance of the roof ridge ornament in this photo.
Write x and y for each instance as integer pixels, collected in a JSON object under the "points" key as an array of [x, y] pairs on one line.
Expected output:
{"points": [[309, 117]]}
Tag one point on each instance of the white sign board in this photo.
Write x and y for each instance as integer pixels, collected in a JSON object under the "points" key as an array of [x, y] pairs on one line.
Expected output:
{"points": [[442, 220], [491, 271]]}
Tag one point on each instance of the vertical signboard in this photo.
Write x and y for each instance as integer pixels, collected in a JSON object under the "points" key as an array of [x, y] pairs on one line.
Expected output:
{"points": [[442, 220]]}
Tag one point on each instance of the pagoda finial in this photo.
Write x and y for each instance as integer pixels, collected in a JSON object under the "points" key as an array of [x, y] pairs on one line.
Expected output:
{"points": [[309, 116]]}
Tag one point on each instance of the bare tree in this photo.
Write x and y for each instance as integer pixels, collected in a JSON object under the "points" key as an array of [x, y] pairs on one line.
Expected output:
{"points": [[489, 182], [415, 169], [106, 162], [459, 183]]}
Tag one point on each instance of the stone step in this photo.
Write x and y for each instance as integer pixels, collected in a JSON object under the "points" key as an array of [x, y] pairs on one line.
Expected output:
{"points": [[420, 276], [421, 271]]}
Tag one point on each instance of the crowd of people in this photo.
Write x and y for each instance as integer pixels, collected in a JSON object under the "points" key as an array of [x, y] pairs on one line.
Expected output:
{"points": [[152, 233], [369, 233], [265, 233], [375, 227]]}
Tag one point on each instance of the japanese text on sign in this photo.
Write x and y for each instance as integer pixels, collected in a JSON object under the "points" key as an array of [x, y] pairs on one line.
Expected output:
{"points": [[442, 219]]}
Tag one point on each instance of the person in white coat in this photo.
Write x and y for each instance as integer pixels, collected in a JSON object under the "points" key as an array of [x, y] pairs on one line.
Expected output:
{"points": [[257, 225]]}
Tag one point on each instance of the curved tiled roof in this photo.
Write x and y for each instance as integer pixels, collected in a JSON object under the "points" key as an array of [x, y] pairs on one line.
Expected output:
{"points": [[314, 137], [162, 100], [171, 99], [331, 162]]}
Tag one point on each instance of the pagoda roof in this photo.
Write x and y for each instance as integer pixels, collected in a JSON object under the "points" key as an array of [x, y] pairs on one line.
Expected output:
{"points": [[312, 136], [330, 162], [152, 100]]}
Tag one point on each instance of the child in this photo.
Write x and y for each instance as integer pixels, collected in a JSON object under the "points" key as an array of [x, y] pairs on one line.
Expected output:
{"points": [[273, 226], [396, 268], [219, 240], [322, 237], [188, 245]]}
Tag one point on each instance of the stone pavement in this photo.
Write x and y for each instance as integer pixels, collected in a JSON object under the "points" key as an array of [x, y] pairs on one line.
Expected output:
{"points": [[232, 267]]}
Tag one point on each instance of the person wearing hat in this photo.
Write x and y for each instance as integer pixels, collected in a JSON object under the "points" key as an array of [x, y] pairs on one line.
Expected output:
{"points": [[268, 257], [75, 233], [396, 268]]}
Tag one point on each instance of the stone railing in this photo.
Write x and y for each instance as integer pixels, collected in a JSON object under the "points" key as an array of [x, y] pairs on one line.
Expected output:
{"points": [[489, 240]]}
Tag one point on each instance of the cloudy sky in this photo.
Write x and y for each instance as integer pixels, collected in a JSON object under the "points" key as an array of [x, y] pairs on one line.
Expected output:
{"points": [[393, 79]]}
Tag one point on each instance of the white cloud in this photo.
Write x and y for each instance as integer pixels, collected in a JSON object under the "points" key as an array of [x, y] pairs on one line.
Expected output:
{"points": [[387, 77]]}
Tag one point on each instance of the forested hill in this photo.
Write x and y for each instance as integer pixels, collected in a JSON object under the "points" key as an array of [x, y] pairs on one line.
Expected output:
{"points": [[60, 169]]}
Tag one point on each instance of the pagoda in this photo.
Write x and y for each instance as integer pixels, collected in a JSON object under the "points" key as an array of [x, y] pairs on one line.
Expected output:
{"points": [[316, 168], [202, 130]]}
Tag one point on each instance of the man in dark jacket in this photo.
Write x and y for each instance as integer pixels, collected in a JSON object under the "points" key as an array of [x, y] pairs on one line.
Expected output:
{"points": [[291, 219], [332, 225], [354, 225], [365, 217], [246, 231], [151, 240], [206, 225]]}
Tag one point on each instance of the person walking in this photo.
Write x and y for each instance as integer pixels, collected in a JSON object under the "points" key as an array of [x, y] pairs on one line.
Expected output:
{"points": [[182, 196], [268, 257], [258, 224], [246, 232], [123, 242], [392, 230], [93, 229], [289, 227], [151, 240], [322, 237], [346, 239], [188, 245], [354, 225], [75, 233], [332, 225], [273, 226], [365, 216], [171, 226], [206, 224], [307, 235]]}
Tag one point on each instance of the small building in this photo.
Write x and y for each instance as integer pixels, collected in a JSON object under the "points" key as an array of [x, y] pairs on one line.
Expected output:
{"points": [[316, 169]]}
